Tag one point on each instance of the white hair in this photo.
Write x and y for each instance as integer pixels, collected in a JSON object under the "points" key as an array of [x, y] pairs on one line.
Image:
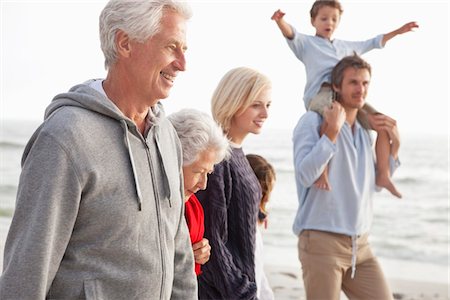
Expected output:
{"points": [[137, 18], [198, 132]]}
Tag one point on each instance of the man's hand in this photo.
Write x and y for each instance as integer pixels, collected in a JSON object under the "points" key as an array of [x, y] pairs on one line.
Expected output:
{"points": [[380, 122], [335, 117]]}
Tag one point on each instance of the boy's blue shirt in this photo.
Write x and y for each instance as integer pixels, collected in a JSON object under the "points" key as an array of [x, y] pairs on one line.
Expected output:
{"points": [[320, 55]]}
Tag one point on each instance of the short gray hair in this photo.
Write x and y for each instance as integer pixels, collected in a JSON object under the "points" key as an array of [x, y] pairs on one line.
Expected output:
{"points": [[198, 132], [138, 18]]}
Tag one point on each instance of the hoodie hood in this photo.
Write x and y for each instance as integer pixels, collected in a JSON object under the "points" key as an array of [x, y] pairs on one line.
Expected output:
{"points": [[86, 97]]}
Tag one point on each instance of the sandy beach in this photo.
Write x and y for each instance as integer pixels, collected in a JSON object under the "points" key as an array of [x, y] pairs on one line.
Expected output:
{"points": [[408, 280], [287, 284]]}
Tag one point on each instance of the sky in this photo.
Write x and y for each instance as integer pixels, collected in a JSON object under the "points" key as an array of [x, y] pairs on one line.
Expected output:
{"points": [[49, 46]]}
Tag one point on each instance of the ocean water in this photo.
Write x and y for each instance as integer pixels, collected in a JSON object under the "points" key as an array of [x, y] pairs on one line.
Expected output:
{"points": [[415, 228]]}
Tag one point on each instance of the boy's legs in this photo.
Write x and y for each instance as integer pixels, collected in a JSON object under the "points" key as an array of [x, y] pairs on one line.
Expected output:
{"points": [[323, 99], [382, 149], [324, 257], [369, 281]]}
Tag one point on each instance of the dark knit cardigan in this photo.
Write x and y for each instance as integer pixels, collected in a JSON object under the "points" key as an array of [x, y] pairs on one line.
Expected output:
{"points": [[230, 203]]}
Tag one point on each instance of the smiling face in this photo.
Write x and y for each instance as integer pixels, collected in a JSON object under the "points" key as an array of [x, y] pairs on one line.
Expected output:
{"points": [[354, 88], [252, 118], [196, 174], [155, 63], [326, 21]]}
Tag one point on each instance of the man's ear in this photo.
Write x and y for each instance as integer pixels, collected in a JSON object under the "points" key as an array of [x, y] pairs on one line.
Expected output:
{"points": [[336, 91], [123, 43]]}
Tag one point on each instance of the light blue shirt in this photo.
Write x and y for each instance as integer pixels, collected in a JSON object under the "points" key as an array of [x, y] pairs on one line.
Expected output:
{"points": [[320, 55], [347, 208]]}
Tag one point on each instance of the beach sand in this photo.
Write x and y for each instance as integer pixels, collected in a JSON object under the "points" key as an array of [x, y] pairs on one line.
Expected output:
{"points": [[287, 284], [407, 279]]}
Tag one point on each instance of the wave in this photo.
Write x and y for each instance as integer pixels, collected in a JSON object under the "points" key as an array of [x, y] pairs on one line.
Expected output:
{"points": [[4, 212], [12, 145], [7, 188], [408, 180]]}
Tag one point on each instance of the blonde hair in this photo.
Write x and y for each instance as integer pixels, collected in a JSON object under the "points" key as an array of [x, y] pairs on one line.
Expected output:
{"points": [[236, 91]]}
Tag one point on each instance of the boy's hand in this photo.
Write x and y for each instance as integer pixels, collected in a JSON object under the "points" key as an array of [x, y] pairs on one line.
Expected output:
{"points": [[278, 15], [407, 27]]}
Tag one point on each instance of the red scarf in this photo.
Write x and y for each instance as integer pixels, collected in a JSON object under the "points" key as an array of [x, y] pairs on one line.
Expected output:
{"points": [[196, 224]]}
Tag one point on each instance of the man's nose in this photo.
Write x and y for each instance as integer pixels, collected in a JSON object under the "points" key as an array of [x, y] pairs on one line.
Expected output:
{"points": [[180, 62]]}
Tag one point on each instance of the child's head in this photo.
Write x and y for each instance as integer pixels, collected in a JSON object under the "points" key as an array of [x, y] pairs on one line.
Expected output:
{"points": [[325, 17], [236, 91], [265, 173]]}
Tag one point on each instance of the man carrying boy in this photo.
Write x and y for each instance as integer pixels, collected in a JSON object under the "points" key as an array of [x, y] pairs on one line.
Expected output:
{"points": [[333, 225], [319, 54]]}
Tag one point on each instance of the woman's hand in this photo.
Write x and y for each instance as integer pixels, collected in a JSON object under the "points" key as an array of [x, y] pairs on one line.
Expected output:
{"points": [[202, 251]]}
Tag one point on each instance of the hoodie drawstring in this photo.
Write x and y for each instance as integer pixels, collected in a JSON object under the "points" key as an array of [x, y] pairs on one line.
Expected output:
{"points": [[354, 252], [164, 166], [133, 167]]}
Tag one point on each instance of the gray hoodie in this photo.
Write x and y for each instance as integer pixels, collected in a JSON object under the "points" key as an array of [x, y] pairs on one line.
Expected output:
{"points": [[99, 211]]}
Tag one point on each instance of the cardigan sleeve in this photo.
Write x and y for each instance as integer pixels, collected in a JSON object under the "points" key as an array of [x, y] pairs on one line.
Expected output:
{"points": [[221, 277]]}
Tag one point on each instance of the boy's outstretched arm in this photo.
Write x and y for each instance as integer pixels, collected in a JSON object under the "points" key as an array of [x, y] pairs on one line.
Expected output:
{"points": [[285, 28], [405, 28]]}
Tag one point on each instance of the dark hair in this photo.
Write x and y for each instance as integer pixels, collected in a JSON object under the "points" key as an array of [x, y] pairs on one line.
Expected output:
{"points": [[353, 61], [318, 4], [265, 173]]}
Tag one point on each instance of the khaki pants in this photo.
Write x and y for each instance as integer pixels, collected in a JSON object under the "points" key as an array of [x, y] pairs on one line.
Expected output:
{"points": [[326, 260], [324, 99]]}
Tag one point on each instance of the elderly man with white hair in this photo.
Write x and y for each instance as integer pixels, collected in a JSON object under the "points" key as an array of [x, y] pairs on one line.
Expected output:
{"points": [[100, 211]]}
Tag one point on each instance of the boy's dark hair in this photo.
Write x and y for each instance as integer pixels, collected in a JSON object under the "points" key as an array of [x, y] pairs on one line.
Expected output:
{"points": [[318, 4], [353, 61]]}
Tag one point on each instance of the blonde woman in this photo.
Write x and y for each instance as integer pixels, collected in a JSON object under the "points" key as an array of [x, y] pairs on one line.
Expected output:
{"points": [[231, 200]]}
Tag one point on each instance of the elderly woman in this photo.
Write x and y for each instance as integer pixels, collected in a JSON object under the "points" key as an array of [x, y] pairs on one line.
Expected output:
{"points": [[204, 145]]}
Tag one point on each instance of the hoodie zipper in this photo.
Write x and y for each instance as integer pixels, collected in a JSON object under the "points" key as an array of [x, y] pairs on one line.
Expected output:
{"points": [[158, 214]]}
